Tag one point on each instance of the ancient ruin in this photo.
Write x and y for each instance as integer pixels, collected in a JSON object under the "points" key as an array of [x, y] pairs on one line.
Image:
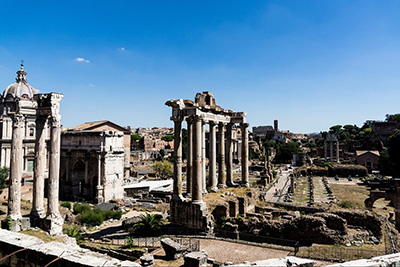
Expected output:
{"points": [[331, 144], [20, 101], [197, 114]]}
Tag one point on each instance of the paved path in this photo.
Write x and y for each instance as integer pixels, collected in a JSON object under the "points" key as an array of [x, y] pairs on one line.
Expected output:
{"points": [[281, 185]]}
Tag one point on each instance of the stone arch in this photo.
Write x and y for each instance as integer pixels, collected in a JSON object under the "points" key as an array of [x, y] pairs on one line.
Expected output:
{"points": [[374, 196], [78, 177]]}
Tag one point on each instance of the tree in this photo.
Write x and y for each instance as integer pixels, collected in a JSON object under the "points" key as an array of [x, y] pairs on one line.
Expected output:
{"points": [[136, 137], [168, 138], [163, 169], [148, 225], [4, 173], [393, 117], [394, 153]]}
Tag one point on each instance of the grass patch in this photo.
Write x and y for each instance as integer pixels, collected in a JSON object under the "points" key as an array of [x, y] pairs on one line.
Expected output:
{"points": [[350, 195]]}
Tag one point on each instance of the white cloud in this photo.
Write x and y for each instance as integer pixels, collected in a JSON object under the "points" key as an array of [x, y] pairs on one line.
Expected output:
{"points": [[81, 59], [122, 49], [92, 85]]}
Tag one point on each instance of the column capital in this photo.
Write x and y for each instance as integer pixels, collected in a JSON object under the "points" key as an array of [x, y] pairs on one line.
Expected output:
{"points": [[212, 123], [55, 120], [18, 120], [244, 125]]}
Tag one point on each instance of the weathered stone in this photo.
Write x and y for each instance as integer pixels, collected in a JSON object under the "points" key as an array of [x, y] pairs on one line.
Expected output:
{"points": [[195, 259], [147, 260], [172, 249], [242, 205], [233, 208]]}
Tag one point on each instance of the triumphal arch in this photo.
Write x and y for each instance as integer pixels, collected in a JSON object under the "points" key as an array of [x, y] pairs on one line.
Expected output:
{"points": [[192, 212]]}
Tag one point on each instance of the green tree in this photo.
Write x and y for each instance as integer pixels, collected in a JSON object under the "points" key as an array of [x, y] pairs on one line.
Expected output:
{"points": [[393, 117], [136, 137], [148, 225], [163, 169], [4, 173], [394, 153], [168, 138]]}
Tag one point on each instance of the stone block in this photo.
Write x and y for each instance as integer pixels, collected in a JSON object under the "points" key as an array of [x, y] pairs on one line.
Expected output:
{"points": [[220, 211], [53, 224], [16, 225], [172, 249], [195, 259], [147, 260], [233, 208]]}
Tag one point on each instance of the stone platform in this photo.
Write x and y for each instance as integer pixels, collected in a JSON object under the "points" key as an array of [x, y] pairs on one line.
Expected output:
{"points": [[191, 215]]}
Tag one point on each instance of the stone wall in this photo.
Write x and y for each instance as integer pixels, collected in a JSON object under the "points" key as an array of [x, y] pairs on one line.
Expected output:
{"points": [[190, 215]]}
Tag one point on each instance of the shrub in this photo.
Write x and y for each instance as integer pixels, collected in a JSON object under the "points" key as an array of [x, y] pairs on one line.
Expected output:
{"points": [[346, 204], [112, 214], [66, 204], [80, 208], [74, 231], [92, 217], [148, 225]]}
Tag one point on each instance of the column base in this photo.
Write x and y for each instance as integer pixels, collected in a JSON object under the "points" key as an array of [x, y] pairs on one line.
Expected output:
{"points": [[232, 184], [53, 224], [16, 225], [245, 185], [214, 189], [36, 217], [221, 185], [205, 191]]}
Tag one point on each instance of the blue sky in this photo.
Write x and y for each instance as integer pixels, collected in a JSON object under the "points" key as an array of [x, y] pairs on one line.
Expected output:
{"points": [[309, 64]]}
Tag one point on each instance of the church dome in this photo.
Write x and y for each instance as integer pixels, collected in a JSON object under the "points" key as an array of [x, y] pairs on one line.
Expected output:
{"points": [[20, 88]]}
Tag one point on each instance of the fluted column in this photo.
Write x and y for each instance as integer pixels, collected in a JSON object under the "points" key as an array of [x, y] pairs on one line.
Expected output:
{"points": [[189, 157], [203, 157], [54, 166], [213, 158], [245, 154], [221, 157], [229, 156], [177, 188], [197, 161], [14, 191], [331, 152], [39, 168]]}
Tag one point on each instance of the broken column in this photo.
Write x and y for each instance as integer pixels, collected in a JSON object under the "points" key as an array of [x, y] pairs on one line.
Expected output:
{"points": [[245, 154]]}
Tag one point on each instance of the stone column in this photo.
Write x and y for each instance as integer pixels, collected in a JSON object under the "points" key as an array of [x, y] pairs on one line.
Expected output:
{"points": [[221, 157], [197, 168], [331, 152], [189, 157], [245, 154], [213, 158], [14, 190], [54, 221], [229, 156], [177, 188], [325, 151], [203, 156], [99, 193], [54, 166], [337, 151], [39, 168]]}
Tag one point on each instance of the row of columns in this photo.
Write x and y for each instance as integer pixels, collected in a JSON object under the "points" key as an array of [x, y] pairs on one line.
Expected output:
{"points": [[48, 115], [196, 159]]}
